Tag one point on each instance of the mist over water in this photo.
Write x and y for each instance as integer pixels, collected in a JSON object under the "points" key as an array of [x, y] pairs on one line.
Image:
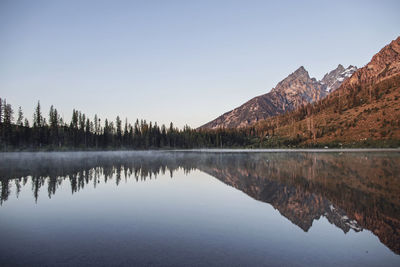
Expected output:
{"points": [[219, 207]]}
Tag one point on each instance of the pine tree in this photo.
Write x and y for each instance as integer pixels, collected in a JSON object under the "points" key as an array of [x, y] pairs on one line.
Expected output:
{"points": [[87, 132], [1, 111], [106, 132], [8, 114], [20, 117], [74, 120], [74, 127], [118, 125], [53, 117], [96, 127], [130, 136], [37, 118], [7, 120], [126, 133]]}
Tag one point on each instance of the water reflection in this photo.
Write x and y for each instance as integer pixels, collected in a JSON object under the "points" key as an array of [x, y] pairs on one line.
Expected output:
{"points": [[352, 190]]}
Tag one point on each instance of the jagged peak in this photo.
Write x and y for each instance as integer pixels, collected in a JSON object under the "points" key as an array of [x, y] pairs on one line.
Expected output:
{"points": [[338, 69], [300, 71], [299, 74], [333, 79]]}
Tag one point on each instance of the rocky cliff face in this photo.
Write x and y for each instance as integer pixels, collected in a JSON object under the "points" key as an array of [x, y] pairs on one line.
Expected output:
{"points": [[335, 78], [384, 65], [292, 92]]}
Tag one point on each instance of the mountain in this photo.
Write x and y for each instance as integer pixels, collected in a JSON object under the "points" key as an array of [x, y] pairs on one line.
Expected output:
{"points": [[335, 78], [364, 108], [292, 92]]}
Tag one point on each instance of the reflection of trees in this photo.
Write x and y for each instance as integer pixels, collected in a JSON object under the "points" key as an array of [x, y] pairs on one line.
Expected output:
{"points": [[353, 191], [83, 170]]}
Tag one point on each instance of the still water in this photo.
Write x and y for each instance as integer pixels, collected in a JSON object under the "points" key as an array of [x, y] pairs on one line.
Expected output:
{"points": [[200, 208]]}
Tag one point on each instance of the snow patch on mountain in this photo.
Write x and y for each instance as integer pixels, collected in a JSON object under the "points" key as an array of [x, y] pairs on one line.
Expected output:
{"points": [[335, 78]]}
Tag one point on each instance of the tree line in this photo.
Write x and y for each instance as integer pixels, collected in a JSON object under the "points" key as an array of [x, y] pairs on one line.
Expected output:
{"points": [[83, 133]]}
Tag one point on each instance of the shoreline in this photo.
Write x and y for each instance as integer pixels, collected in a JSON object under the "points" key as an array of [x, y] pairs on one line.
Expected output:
{"points": [[212, 150]]}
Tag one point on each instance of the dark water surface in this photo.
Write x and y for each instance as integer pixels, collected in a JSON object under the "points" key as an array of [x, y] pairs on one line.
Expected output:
{"points": [[218, 208]]}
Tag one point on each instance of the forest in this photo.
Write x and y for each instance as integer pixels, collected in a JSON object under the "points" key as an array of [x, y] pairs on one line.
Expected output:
{"points": [[83, 133]]}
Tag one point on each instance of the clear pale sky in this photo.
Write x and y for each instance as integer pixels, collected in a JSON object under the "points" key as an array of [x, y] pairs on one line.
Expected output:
{"points": [[181, 61]]}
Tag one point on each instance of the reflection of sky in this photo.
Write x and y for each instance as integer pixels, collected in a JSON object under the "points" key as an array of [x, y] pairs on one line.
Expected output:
{"points": [[188, 219], [154, 59]]}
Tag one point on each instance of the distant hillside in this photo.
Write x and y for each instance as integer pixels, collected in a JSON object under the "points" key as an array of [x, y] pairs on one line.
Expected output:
{"points": [[365, 107], [292, 92]]}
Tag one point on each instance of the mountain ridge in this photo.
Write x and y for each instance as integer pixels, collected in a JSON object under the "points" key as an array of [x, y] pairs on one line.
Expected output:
{"points": [[294, 91], [364, 108]]}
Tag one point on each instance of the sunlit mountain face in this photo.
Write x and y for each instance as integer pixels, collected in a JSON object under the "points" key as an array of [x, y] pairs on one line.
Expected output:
{"points": [[354, 191]]}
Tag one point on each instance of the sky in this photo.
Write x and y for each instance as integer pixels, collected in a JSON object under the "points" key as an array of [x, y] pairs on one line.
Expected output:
{"points": [[181, 61]]}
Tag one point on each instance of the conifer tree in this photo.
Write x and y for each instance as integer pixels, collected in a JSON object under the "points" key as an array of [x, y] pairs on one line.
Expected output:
{"points": [[96, 127], [8, 114], [74, 120], [126, 133], [37, 118], [118, 125], [1, 111], [20, 117]]}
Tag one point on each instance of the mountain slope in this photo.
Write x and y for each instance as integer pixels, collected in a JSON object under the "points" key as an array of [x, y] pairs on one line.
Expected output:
{"points": [[365, 107], [294, 91]]}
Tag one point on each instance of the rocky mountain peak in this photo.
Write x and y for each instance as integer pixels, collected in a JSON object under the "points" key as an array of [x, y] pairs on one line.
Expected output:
{"points": [[298, 76], [332, 80], [383, 65], [300, 71], [295, 90]]}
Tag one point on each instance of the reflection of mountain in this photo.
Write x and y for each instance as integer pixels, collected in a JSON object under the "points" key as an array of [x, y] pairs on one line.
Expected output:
{"points": [[352, 190], [299, 206]]}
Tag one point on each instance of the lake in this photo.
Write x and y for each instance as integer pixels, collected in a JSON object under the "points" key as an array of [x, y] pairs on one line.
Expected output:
{"points": [[200, 208]]}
